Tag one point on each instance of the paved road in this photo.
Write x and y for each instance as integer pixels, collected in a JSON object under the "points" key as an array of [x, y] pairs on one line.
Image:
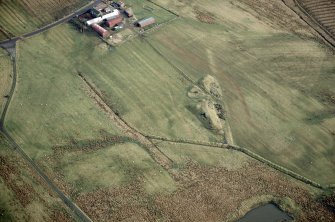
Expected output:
{"points": [[10, 42]]}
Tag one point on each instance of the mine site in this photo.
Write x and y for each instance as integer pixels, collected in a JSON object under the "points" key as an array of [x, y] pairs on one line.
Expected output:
{"points": [[167, 110]]}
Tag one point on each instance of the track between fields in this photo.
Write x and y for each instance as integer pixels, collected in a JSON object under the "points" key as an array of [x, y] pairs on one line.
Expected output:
{"points": [[247, 152]]}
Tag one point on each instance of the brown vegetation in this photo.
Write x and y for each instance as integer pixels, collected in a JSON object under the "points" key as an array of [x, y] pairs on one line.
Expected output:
{"points": [[204, 194], [204, 16]]}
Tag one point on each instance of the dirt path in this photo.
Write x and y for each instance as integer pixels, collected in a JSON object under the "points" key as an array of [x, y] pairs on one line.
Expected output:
{"points": [[250, 154], [129, 131]]}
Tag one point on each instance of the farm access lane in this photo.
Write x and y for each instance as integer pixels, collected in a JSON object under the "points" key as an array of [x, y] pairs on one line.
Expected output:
{"points": [[10, 42]]}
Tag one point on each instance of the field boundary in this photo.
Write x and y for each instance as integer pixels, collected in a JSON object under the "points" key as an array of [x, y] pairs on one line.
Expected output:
{"points": [[158, 156], [296, 7], [248, 153], [166, 9]]}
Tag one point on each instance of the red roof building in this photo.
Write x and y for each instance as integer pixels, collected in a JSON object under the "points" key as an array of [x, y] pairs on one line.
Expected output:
{"points": [[113, 22], [102, 32]]}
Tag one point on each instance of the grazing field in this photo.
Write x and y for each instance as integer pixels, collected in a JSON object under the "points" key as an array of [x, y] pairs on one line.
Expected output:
{"points": [[19, 17], [51, 105], [140, 87], [323, 11], [6, 69], [23, 196], [143, 9], [82, 108], [277, 85]]}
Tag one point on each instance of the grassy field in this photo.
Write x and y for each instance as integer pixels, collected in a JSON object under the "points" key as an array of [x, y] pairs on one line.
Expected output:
{"points": [[6, 68], [181, 154], [51, 105], [19, 17], [276, 78], [278, 83], [115, 165], [151, 96], [143, 9], [23, 196]]}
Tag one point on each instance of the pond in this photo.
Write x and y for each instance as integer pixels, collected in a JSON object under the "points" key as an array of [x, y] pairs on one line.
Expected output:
{"points": [[266, 213]]}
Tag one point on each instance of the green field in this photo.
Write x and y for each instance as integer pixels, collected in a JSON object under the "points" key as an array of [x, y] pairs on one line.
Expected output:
{"points": [[278, 85], [143, 9], [51, 105], [116, 165], [82, 108], [20, 17], [5, 76], [23, 196]]}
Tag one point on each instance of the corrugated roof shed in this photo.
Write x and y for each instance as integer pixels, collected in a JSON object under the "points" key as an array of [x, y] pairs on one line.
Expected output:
{"points": [[102, 32], [145, 22], [113, 22], [115, 13]]}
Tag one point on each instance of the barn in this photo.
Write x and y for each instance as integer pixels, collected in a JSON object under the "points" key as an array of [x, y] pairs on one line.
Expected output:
{"points": [[145, 22], [102, 32], [115, 13], [113, 22]]}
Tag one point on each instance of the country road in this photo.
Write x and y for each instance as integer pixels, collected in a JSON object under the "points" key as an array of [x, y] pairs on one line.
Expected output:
{"points": [[10, 42], [10, 45]]}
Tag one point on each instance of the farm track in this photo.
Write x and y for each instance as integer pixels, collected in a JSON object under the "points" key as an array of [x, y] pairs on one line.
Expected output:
{"points": [[248, 153]]}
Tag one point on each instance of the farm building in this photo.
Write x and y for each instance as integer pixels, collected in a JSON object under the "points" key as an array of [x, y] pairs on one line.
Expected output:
{"points": [[102, 32], [129, 12], [114, 21], [115, 13], [145, 22], [95, 13], [94, 21], [101, 6]]}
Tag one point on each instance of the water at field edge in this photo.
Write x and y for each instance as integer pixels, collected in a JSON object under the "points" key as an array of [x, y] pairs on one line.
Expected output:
{"points": [[266, 213]]}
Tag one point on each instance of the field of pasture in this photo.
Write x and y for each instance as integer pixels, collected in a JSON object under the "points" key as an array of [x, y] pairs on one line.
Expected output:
{"points": [[277, 83], [85, 110]]}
